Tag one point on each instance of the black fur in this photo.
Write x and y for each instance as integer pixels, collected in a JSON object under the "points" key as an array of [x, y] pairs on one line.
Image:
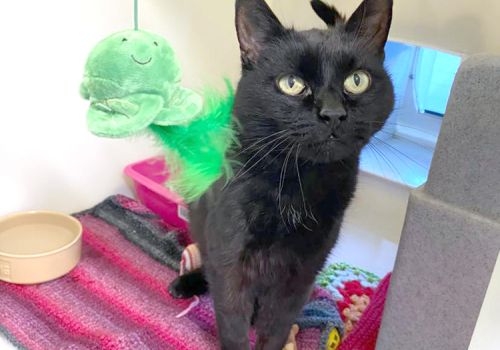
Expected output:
{"points": [[327, 13], [190, 285], [266, 234]]}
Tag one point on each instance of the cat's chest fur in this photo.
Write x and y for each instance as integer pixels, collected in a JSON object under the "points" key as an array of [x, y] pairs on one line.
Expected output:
{"points": [[263, 232], [296, 212], [289, 230]]}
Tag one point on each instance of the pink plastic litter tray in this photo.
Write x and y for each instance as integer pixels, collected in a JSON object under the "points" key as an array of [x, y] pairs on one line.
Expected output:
{"points": [[148, 178]]}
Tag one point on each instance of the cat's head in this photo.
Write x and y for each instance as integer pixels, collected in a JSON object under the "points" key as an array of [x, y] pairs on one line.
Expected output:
{"points": [[325, 92]]}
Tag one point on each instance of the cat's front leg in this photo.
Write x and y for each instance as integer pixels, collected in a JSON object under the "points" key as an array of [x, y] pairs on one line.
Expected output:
{"points": [[233, 309], [278, 311]]}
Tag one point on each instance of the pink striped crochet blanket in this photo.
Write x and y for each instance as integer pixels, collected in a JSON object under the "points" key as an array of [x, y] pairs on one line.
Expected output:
{"points": [[116, 298]]}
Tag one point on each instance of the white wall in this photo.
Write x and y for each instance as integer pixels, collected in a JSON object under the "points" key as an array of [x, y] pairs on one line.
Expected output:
{"points": [[48, 159]]}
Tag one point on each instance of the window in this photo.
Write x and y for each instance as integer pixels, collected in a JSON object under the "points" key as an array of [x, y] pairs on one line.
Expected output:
{"points": [[434, 75], [422, 79]]}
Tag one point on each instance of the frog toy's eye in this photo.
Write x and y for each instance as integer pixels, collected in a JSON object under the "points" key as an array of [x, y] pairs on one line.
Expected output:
{"points": [[292, 85], [358, 82], [124, 39], [155, 43]]}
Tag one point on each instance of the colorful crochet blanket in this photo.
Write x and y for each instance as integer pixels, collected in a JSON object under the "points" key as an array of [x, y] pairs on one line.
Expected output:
{"points": [[360, 297], [116, 298]]}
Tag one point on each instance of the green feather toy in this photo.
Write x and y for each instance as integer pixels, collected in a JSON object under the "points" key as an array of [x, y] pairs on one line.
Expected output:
{"points": [[196, 152], [132, 80]]}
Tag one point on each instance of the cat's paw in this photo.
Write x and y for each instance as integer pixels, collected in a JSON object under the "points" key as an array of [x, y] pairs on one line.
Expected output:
{"points": [[187, 286], [177, 289]]}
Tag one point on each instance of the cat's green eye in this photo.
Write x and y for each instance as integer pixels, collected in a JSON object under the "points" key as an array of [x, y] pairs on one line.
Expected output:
{"points": [[291, 85], [358, 82]]}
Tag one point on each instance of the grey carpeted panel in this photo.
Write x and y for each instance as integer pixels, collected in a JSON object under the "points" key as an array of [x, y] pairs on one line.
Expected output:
{"points": [[466, 167], [451, 237], [445, 260]]}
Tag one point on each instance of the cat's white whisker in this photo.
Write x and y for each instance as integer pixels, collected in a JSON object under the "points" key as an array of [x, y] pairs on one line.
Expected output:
{"points": [[258, 142], [282, 183], [261, 148], [396, 152], [282, 138]]}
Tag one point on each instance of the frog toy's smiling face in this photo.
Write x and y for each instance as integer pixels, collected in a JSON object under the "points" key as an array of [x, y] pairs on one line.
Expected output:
{"points": [[132, 79], [131, 61]]}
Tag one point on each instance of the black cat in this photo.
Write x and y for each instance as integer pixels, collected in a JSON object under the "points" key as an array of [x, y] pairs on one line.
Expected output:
{"points": [[308, 102]]}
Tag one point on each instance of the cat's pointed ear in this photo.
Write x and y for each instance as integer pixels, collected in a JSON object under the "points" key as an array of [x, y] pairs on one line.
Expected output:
{"points": [[256, 25], [371, 21], [327, 13]]}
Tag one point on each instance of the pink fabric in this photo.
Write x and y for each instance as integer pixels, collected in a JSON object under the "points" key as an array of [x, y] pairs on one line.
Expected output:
{"points": [[102, 238], [364, 335], [37, 332]]}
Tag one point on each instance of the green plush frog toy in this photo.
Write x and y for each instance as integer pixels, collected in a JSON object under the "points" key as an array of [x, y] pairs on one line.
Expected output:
{"points": [[132, 80]]}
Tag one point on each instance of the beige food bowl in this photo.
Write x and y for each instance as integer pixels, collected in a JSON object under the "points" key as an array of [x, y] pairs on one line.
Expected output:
{"points": [[38, 246]]}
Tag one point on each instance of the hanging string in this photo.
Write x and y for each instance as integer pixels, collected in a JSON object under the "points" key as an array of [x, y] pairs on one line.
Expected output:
{"points": [[136, 15]]}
